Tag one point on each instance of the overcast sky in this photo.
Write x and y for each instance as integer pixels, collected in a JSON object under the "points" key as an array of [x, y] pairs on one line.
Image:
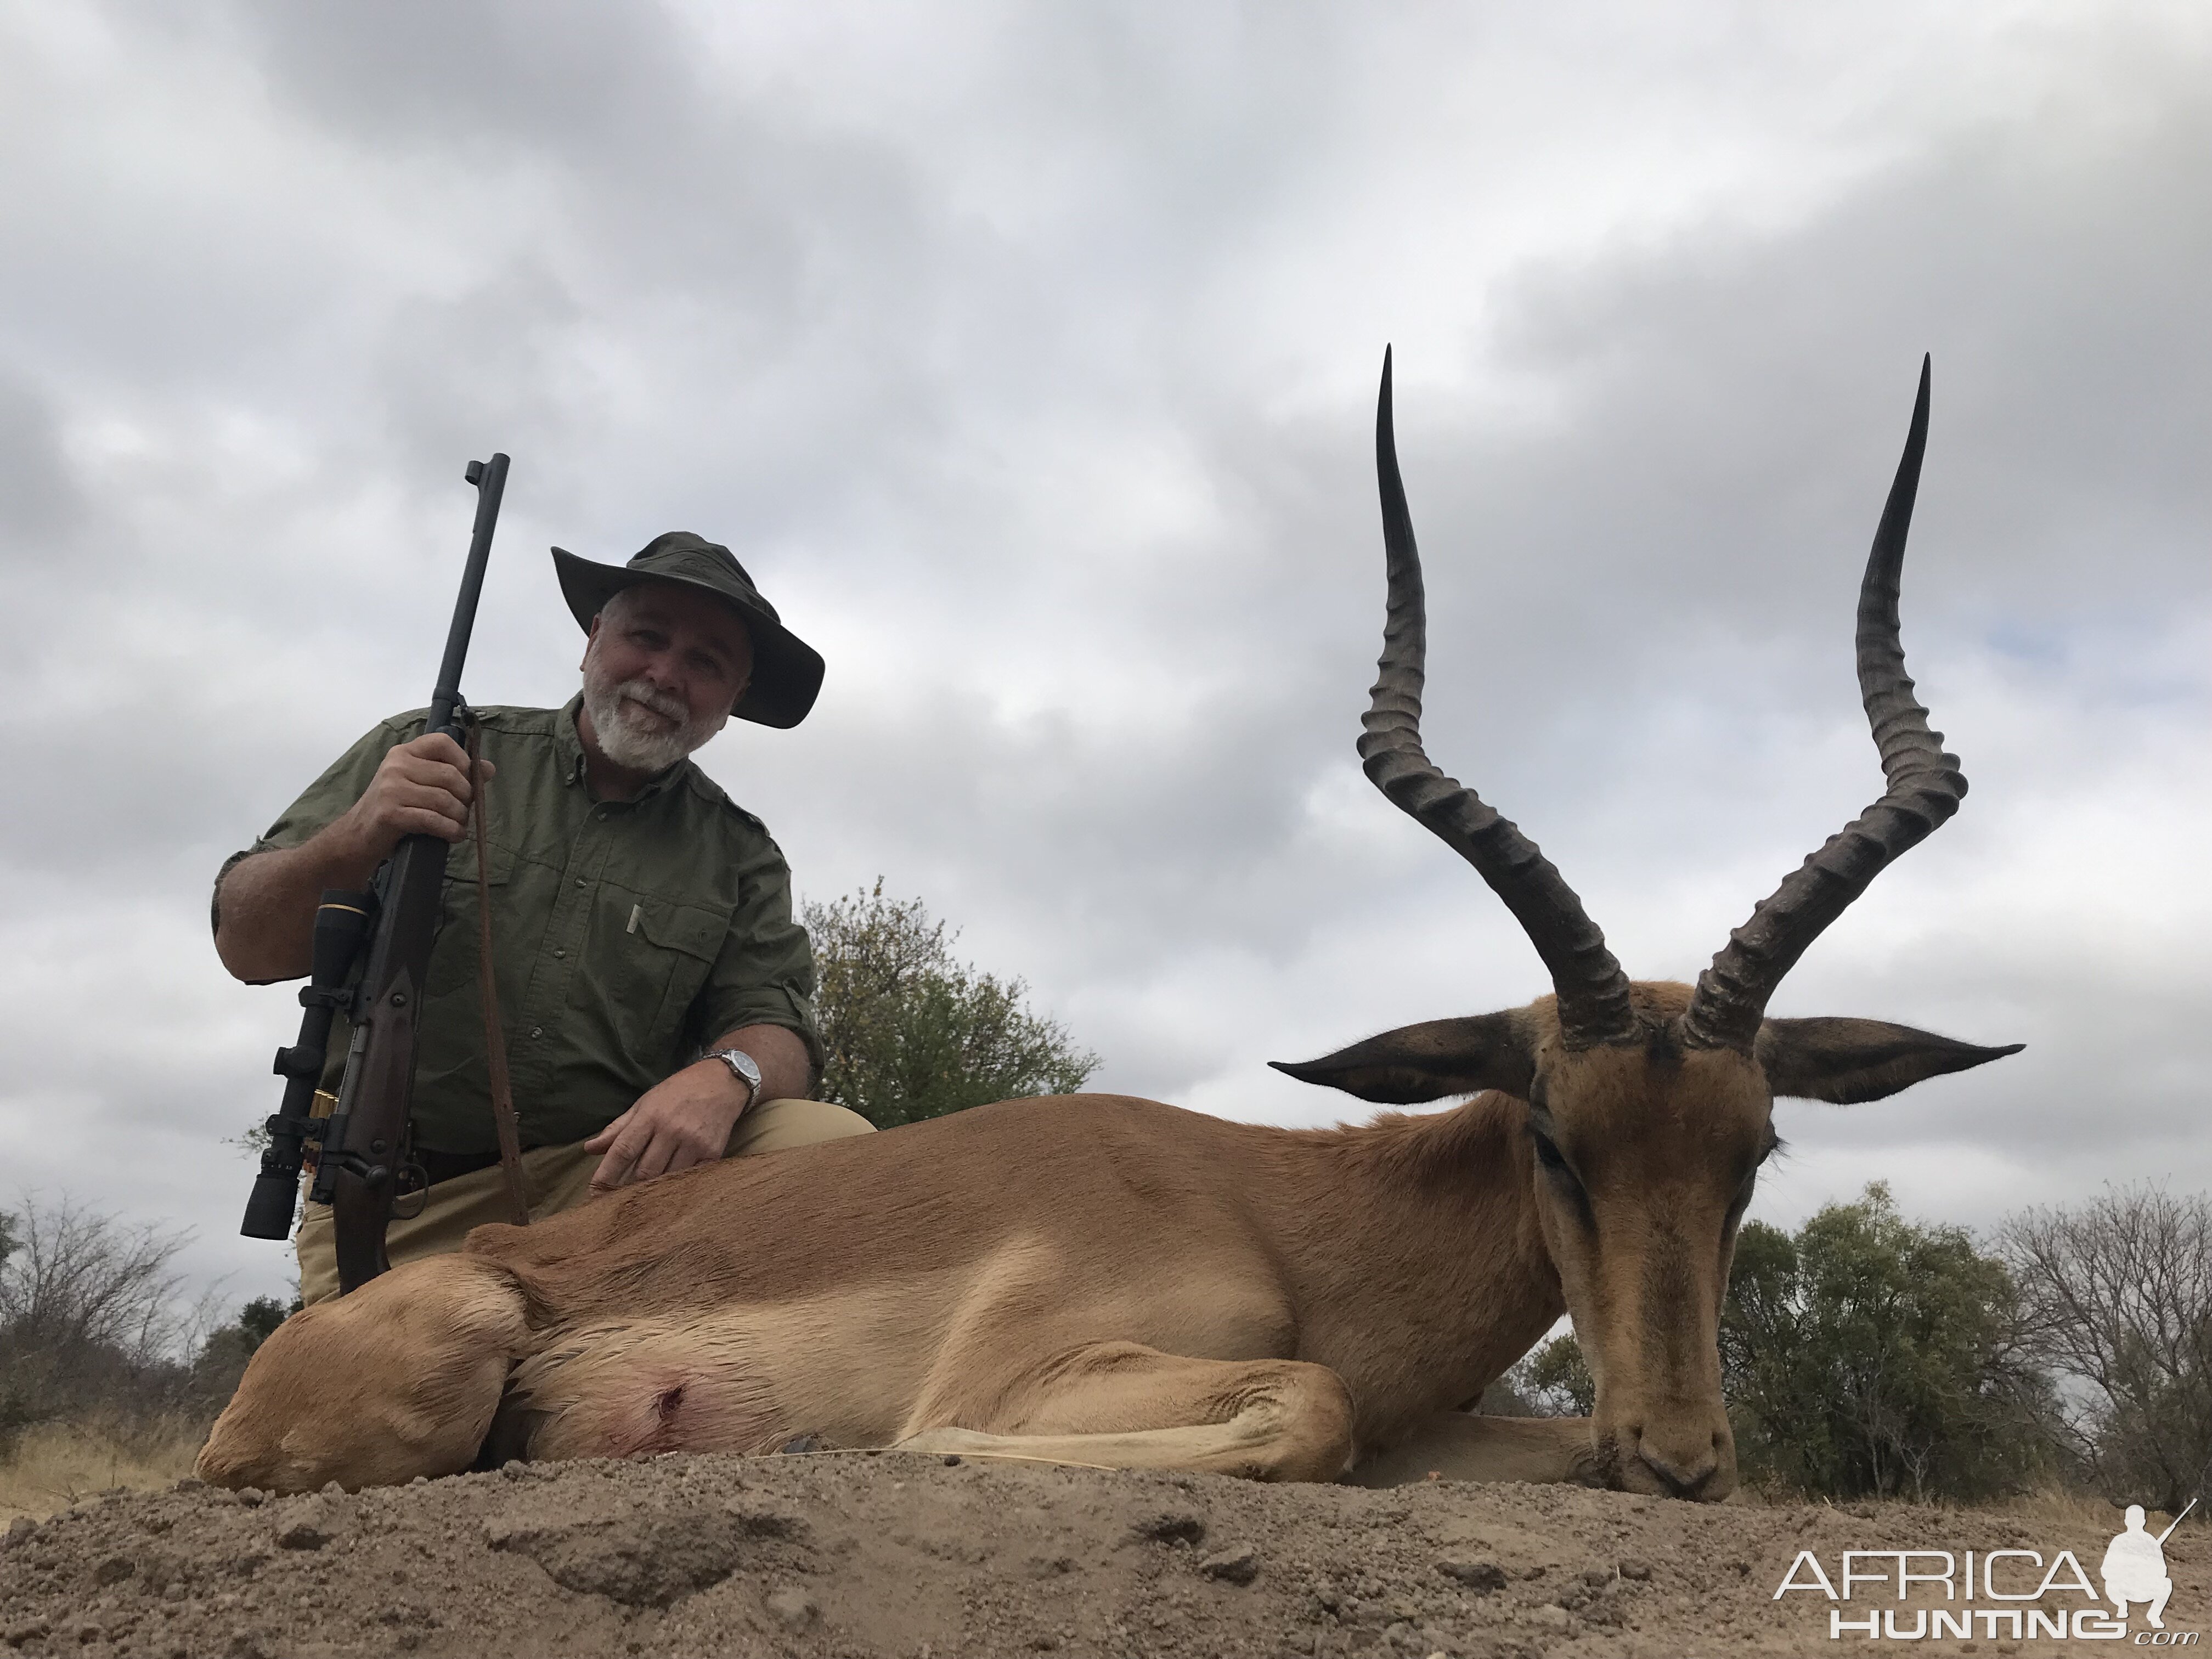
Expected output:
{"points": [[1027, 356]]}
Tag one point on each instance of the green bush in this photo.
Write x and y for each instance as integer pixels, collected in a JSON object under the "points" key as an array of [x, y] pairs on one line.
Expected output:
{"points": [[910, 1032], [1555, 1379], [1865, 1356], [222, 1355]]}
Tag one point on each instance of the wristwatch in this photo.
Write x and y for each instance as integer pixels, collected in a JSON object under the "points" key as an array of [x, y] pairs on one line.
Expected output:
{"points": [[744, 1068]]}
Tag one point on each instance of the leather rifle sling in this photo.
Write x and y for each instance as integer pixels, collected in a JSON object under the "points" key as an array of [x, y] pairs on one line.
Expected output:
{"points": [[502, 1101]]}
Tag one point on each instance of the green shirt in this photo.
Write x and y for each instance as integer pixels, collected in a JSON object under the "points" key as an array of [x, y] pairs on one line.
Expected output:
{"points": [[625, 934]]}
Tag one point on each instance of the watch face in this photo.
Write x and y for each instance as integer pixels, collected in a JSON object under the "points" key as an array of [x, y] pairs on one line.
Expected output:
{"points": [[742, 1063]]}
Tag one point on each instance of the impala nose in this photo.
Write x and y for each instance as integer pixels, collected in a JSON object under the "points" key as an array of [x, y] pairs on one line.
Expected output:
{"points": [[1685, 1464]]}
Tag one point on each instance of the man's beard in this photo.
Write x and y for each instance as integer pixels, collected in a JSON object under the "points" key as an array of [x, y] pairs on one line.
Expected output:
{"points": [[630, 737]]}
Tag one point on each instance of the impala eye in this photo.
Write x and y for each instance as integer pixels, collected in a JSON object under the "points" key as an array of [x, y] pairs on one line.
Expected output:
{"points": [[1742, 1201], [1744, 1189], [1563, 1178], [1548, 1154]]}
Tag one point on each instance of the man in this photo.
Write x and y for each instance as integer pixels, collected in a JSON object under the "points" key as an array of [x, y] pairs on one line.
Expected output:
{"points": [[655, 991]]}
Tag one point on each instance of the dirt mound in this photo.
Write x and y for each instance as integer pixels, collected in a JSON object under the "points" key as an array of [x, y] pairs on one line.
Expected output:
{"points": [[856, 1554]]}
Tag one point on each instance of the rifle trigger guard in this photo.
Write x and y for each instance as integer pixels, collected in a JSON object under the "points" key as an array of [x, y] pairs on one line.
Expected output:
{"points": [[413, 1184]]}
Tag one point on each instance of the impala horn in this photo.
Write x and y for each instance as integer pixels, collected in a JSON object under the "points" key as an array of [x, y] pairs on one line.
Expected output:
{"points": [[1925, 788], [1594, 1007]]}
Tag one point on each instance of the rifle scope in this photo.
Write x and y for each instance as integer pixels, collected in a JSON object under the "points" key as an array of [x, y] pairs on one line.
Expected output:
{"points": [[342, 922]]}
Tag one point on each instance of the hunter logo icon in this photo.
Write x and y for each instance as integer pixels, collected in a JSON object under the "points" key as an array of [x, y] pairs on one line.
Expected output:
{"points": [[2134, 1568]]}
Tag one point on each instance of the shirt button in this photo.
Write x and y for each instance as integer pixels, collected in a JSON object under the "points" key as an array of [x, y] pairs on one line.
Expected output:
{"points": [[537, 1030], [558, 954], [580, 882]]}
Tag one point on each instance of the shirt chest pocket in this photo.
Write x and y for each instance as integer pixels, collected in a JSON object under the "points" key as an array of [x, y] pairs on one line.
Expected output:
{"points": [[658, 958]]}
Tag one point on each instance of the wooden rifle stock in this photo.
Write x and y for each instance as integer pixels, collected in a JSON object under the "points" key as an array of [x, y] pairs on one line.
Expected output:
{"points": [[365, 1147]]}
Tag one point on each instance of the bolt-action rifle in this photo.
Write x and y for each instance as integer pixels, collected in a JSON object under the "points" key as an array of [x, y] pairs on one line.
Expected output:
{"points": [[361, 1152]]}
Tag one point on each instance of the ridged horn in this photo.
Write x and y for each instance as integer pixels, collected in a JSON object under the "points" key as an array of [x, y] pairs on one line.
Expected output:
{"points": [[1593, 992], [1925, 788]]}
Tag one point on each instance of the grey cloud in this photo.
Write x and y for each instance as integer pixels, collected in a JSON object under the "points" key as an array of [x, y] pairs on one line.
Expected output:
{"points": [[562, 76], [40, 503], [499, 364]]}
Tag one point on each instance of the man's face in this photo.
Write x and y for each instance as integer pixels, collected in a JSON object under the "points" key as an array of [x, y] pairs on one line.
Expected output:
{"points": [[663, 669]]}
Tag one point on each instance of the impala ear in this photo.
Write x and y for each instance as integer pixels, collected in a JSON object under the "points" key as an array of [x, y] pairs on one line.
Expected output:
{"points": [[1845, 1061], [1428, 1062]]}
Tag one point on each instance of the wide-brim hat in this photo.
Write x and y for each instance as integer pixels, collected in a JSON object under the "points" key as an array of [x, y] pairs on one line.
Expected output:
{"points": [[787, 671]]}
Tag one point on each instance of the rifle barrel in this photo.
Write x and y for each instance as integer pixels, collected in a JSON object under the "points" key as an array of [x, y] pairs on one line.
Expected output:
{"points": [[490, 479]]}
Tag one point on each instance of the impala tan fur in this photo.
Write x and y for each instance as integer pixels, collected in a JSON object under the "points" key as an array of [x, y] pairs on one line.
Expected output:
{"points": [[1107, 1280]]}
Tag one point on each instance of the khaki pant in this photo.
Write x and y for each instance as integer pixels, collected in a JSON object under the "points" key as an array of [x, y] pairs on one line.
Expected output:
{"points": [[555, 1178]]}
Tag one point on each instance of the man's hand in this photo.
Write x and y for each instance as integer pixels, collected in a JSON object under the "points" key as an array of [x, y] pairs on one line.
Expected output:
{"points": [[688, 1119], [421, 788], [267, 904], [675, 1124]]}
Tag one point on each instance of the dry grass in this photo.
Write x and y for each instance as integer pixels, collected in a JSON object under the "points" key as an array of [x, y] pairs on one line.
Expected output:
{"points": [[2057, 1505], [56, 1465], [2046, 1506]]}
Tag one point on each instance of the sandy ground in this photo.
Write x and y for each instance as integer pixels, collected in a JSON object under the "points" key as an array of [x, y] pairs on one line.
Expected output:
{"points": [[858, 1554]]}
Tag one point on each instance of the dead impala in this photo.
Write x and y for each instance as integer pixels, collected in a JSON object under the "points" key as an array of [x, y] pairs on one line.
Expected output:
{"points": [[1112, 1281]]}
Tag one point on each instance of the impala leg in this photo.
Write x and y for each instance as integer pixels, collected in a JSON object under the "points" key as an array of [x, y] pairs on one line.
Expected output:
{"points": [[398, 1379], [1122, 1406], [1461, 1446]]}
